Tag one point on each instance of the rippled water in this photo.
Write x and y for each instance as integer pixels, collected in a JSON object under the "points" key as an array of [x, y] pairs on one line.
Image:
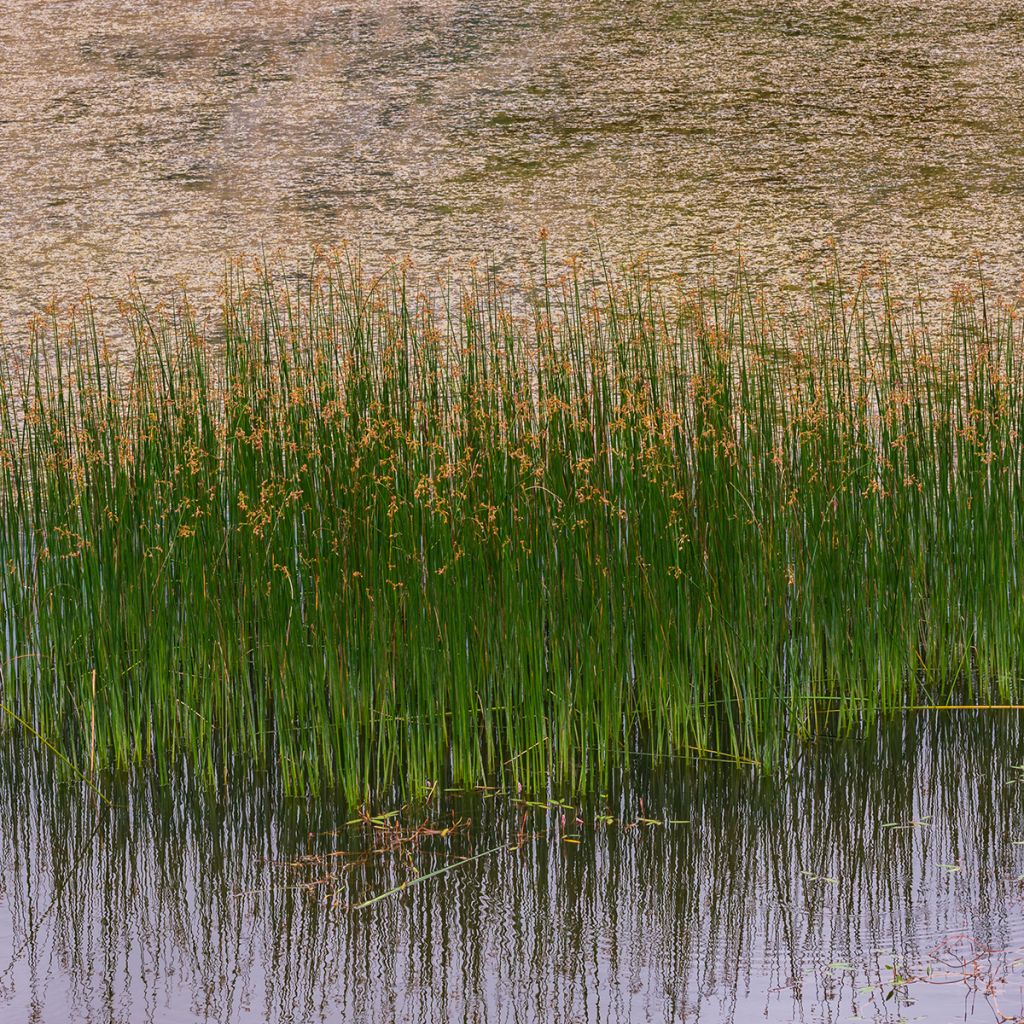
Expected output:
{"points": [[158, 137], [870, 880]]}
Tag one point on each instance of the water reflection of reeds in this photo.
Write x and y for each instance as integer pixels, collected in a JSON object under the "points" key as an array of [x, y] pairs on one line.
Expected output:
{"points": [[775, 896]]}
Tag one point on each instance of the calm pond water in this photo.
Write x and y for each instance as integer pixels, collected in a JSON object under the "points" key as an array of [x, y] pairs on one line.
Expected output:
{"points": [[156, 138], [876, 879]]}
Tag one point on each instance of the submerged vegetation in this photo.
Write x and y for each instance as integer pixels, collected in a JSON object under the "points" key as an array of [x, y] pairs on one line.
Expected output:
{"points": [[381, 536]]}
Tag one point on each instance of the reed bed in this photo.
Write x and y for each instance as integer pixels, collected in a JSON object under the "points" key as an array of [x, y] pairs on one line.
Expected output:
{"points": [[384, 536]]}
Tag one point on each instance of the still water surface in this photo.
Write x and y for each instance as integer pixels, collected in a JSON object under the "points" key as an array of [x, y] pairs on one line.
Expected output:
{"points": [[157, 138], [876, 879]]}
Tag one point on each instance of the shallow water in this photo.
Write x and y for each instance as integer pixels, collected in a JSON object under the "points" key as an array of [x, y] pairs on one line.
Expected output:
{"points": [[870, 880], [158, 138], [875, 879]]}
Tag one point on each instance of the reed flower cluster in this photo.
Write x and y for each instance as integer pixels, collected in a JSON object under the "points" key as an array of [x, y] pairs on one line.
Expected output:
{"points": [[380, 536]]}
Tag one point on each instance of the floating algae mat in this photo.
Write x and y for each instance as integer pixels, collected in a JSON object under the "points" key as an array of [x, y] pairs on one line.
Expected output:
{"points": [[157, 138], [874, 879], [383, 533]]}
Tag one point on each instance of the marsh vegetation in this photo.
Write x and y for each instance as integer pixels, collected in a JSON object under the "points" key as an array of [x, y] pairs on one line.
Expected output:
{"points": [[383, 531]]}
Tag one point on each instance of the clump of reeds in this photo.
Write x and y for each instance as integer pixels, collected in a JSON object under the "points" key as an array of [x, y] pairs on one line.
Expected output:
{"points": [[379, 535]]}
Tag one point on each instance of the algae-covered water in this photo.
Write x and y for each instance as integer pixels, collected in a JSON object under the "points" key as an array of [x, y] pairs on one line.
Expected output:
{"points": [[156, 138], [876, 880]]}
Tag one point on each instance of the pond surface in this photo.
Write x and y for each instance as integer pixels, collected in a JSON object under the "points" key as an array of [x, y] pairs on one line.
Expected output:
{"points": [[876, 879], [157, 138]]}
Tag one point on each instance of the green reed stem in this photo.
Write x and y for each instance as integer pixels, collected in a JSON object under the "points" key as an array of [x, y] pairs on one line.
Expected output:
{"points": [[379, 536]]}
